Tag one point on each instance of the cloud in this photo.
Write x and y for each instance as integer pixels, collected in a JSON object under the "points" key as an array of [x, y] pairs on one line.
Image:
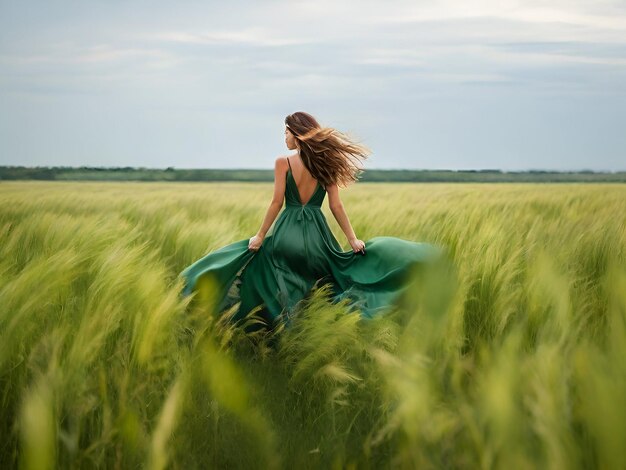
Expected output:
{"points": [[371, 63], [253, 37]]}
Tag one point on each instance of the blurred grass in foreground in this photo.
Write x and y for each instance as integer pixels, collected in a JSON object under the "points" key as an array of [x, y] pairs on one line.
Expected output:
{"points": [[511, 357]]}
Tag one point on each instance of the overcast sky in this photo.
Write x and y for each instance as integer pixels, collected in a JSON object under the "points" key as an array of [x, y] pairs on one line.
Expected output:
{"points": [[465, 84]]}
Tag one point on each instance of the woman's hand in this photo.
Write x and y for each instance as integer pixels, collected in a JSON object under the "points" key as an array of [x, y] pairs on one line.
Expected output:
{"points": [[255, 243], [357, 245]]}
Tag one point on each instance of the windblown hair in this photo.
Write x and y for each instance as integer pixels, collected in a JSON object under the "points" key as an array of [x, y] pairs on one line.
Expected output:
{"points": [[331, 156]]}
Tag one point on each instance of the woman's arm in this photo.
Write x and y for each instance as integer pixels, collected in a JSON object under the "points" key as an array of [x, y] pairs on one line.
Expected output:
{"points": [[336, 207], [280, 181]]}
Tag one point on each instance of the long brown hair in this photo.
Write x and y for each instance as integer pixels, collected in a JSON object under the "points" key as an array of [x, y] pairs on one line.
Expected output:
{"points": [[330, 156]]}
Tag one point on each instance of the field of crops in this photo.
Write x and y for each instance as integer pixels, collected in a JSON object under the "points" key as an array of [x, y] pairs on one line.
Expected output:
{"points": [[512, 356]]}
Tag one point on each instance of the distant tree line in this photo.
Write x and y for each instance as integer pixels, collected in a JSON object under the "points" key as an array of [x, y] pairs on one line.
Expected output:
{"points": [[87, 173]]}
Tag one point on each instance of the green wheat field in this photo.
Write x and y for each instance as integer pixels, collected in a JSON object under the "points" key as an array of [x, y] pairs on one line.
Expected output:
{"points": [[510, 355]]}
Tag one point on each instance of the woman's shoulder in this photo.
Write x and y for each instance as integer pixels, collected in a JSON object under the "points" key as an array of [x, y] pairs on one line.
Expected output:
{"points": [[281, 162], [284, 157]]}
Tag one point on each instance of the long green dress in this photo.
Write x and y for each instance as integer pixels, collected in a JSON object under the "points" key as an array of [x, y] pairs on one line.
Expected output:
{"points": [[300, 251]]}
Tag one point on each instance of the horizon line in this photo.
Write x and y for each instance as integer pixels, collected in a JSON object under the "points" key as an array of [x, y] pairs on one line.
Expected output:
{"points": [[548, 170]]}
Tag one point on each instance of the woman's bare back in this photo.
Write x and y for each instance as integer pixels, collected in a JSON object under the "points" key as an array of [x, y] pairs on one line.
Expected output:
{"points": [[305, 183]]}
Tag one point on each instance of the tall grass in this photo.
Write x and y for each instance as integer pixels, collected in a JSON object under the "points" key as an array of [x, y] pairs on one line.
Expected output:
{"points": [[510, 356]]}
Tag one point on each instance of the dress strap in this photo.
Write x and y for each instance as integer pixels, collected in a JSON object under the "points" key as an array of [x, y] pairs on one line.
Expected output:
{"points": [[289, 164]]}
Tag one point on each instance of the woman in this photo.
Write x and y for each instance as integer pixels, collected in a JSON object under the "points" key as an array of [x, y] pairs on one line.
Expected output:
{"points": [[278, 269]]}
